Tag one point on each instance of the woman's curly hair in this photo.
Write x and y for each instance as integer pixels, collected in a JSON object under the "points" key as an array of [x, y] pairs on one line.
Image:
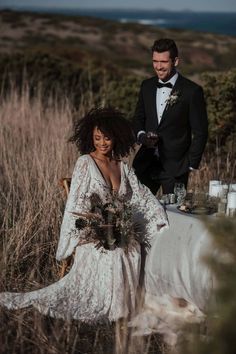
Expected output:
{"points": [[112, 123]]}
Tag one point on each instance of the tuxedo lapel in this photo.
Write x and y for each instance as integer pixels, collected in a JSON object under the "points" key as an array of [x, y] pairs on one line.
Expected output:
{"points": [[177, 88]]}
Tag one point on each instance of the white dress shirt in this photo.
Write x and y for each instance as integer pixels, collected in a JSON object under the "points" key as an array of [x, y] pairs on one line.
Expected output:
{"points": [[162, 96]]}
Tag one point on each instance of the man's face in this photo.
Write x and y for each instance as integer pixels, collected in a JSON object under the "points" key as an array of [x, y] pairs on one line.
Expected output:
{"points": [[163, 65]]}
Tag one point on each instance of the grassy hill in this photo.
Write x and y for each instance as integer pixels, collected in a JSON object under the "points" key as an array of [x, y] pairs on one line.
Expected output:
{"points": [[95, 62], [125, 47]]}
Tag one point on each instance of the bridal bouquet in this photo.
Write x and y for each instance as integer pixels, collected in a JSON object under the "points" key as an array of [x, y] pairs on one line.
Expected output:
{"points": [[110, 225]]}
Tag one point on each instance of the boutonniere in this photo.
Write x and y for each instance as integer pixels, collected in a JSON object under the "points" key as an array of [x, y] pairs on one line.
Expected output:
{"points": [[173, 98]]}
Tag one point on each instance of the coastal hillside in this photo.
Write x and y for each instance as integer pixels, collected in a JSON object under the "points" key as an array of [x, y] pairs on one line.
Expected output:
{"points": [[110, 44], [54, 68], [94, 62]]}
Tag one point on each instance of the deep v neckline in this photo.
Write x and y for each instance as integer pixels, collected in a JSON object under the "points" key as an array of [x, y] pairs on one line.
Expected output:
{"points": [[104, 179]]}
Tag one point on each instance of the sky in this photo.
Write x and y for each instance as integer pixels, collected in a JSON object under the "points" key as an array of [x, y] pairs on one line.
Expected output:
{"points": [[175, 5]]}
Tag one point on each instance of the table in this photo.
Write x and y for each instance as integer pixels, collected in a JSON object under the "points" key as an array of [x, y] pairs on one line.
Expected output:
{"points": [[178, 282], [175, 264]]}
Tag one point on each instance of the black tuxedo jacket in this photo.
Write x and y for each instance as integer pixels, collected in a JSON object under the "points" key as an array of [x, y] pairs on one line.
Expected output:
{"points": [[183, 128]]}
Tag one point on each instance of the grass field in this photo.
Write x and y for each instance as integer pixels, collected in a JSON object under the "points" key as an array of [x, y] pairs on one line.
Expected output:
{"points": [[34, 156]]}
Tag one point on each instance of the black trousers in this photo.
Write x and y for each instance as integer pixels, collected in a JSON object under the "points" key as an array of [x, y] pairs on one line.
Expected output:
{"points": [[154, 181], [151, 173]]}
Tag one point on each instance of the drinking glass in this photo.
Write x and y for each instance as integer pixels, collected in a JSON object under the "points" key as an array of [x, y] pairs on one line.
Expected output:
{"points": [[153, 138], [165, 199], [180, 192], [232, 212]]}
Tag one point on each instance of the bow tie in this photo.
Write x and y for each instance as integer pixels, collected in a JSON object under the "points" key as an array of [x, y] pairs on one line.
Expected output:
{"points": [[167, 84]]}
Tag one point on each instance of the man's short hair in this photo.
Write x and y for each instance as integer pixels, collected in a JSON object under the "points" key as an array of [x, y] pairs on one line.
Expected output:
{"points": [[165, 45]]}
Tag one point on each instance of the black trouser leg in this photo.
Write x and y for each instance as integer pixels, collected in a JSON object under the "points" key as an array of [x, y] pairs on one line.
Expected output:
{"points": [[152, 184], [168, 182]]}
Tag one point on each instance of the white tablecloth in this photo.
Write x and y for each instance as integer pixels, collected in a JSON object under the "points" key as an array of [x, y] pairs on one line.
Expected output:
{"points": [[175, 264], [178, 281]]}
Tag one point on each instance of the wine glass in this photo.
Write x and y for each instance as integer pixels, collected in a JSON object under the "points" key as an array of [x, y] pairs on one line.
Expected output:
{"points": [[153, 138], [180, 192]]}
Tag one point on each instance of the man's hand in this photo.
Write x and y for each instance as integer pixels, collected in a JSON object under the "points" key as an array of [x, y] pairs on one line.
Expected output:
{"points": [[149, 139]]}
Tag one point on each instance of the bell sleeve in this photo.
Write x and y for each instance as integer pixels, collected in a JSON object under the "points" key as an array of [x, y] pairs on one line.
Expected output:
{"points": [[76, 202], [146, 206]]}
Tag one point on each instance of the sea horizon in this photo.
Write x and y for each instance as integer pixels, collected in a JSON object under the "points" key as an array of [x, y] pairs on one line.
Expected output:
{"points": [[204, 21]]}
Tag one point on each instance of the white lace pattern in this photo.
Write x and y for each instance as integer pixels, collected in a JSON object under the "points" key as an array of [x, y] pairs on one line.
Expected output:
{"points": [[101, 283]]}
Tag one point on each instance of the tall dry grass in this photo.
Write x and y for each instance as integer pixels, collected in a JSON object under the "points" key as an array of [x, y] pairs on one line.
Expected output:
{"points": [[34, 156], [216, 164]]}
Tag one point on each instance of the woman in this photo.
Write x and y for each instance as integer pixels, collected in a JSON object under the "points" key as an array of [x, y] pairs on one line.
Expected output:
{"points": [[103, 280]]}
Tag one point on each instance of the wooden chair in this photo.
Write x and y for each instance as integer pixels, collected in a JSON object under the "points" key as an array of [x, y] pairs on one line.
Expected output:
{"points": [[65, 184]]}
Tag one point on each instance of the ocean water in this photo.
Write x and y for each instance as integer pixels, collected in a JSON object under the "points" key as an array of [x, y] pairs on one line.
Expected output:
{"points": [[222, 23]]}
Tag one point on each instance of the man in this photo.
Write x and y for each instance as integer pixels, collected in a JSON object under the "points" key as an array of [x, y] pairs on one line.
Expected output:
{"points": [[170, 122]]}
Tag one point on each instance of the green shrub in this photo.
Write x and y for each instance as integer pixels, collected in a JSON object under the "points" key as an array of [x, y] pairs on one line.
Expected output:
{"points": [[220, 93]]}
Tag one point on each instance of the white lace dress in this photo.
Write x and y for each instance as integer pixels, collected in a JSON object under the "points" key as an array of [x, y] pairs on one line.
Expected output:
{"points": [[101, 284]]}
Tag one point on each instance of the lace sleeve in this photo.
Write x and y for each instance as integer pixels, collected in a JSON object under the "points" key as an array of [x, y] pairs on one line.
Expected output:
{"points": [[147, 204], [69, 235]]}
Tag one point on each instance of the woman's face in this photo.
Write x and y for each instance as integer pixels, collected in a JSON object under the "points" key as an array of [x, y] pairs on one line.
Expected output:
{"points": [[102, 143]]}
